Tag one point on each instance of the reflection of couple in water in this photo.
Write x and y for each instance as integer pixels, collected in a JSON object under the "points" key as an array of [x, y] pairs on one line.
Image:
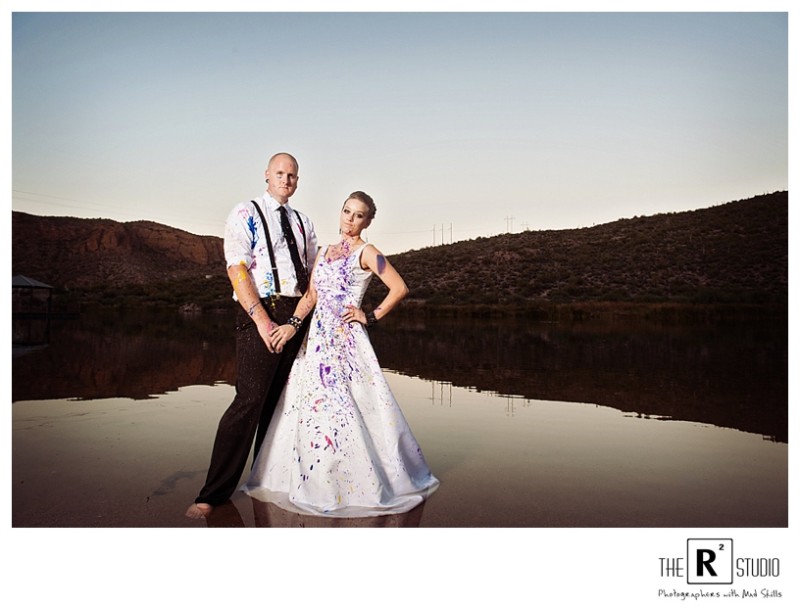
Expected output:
{"points": [[331, 441], [269, 515]]}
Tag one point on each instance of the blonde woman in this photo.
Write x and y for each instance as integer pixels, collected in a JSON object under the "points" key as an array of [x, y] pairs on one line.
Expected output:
{"points": [[338, 444]]}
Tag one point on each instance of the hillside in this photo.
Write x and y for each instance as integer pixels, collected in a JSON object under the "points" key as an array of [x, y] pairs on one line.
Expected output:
{"points": [[735, 253], [73, 253], [104, 262]]}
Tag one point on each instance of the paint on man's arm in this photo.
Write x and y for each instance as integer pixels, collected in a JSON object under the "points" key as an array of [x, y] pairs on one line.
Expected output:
{"points": [[241, 275]]}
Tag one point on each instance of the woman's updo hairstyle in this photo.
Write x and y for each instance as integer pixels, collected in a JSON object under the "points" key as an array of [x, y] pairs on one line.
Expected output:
{"points": [[365, 198]]}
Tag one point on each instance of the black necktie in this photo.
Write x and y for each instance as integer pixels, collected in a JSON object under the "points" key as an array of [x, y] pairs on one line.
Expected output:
{"points": [[299, 269]]}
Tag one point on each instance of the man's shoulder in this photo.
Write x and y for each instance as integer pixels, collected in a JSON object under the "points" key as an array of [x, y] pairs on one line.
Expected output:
{"points": [[251, 202], [248, 206], [240, 215]]}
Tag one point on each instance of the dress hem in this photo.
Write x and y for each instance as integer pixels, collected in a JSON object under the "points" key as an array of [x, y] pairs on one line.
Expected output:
{"points": [[400, 504]]}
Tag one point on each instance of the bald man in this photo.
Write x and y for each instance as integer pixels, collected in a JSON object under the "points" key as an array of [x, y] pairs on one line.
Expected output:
{"points": [[269, 252]]}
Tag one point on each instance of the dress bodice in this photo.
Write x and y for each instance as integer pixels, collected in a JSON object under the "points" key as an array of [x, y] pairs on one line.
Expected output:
{"points": [[341, 281]]}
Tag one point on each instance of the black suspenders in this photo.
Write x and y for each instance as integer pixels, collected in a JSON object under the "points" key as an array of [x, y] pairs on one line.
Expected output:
{"points": [[274, 264]]}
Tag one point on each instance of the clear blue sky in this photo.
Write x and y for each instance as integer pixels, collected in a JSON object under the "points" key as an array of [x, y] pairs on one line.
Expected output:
{"points": [[480, 123]]}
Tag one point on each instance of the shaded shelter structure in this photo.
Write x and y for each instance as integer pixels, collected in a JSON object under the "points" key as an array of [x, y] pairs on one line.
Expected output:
{"points": [[30, 297]]}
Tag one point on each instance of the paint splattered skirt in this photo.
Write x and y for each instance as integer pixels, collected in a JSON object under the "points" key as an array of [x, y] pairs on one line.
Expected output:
{"points": [[338, 444]]}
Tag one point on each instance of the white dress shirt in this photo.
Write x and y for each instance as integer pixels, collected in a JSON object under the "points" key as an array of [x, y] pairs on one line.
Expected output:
{"points": [[245, 244]]}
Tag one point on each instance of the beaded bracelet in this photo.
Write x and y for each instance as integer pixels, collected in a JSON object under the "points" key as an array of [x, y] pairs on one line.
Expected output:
{"points": [[371, 319], [295, 322]]}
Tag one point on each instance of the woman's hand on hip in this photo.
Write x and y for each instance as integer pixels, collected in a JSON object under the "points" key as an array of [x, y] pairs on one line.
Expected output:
{"points": [[352, 314]]}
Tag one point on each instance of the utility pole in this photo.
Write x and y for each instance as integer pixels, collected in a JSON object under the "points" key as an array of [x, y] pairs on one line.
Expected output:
{"points": [[509, 222], [441, 230]]}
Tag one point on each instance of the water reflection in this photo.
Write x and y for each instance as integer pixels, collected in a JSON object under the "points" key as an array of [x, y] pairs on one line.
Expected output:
{"points": [[729, 375], [733, 375], [503, 462], [134, 356], [268, 515]]}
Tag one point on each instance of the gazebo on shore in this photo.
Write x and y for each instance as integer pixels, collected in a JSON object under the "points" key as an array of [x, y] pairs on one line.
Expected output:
{"points": [[30, 297]]}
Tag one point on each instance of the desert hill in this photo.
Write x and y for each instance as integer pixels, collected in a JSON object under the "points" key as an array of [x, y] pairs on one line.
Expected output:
{"points": [[733, 253], [71, 253]]}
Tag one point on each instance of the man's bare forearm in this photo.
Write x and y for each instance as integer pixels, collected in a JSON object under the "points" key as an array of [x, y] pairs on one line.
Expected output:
{"points": [[248, 297]]}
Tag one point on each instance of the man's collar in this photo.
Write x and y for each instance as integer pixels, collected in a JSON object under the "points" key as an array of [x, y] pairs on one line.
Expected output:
{"points": [[273, 205]]}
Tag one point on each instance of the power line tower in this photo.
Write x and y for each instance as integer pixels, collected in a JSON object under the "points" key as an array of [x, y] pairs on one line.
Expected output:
{"points": [[441, 229]]}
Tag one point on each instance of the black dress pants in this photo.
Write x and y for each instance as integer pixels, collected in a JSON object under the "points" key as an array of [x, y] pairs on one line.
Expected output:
{"points": [[260, 378]]}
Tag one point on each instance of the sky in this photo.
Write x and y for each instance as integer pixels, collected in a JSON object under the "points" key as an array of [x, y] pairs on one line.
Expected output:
{"points": [[459, 125]]}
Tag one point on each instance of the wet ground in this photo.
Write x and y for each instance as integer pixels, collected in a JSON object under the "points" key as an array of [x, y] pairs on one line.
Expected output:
{"points": [[502, 462]]}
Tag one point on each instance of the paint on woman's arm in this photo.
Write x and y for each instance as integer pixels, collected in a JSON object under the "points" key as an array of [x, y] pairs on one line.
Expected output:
{"points": [[381, 262], [305, 306]]}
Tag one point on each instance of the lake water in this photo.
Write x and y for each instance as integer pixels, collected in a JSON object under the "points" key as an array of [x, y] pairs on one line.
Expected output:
{"points": [[612, 424]]}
